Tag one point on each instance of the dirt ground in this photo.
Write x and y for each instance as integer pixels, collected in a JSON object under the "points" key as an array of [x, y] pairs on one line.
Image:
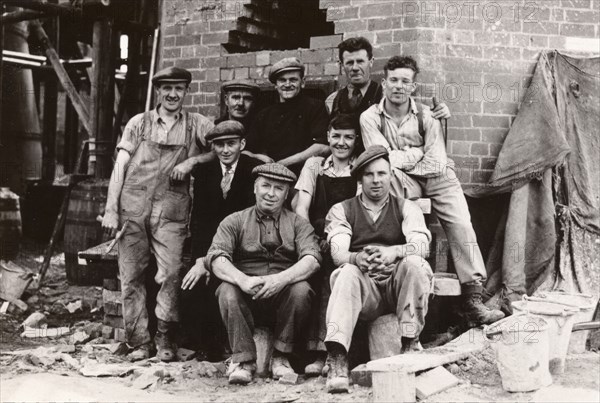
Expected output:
{"points": [[32, 370]]}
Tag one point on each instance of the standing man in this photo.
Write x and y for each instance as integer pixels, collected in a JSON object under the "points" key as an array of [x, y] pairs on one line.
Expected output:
{"points": [[264, 255], [356, 58], [221, 187], [291, 131], [149, 193], [379, 244], [421, 167], [240, 98], [324, 182]]}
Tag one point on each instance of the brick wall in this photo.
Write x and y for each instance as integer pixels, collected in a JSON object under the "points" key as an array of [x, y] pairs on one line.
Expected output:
{"points": [[477, 56]]}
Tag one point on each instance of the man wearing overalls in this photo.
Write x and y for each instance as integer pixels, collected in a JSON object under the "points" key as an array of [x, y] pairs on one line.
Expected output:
{"points": [[149, 191]]}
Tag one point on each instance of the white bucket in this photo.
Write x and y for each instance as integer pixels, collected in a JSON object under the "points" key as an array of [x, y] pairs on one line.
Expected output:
{"points": [[586, 305], [521, 343], [560, 320]]}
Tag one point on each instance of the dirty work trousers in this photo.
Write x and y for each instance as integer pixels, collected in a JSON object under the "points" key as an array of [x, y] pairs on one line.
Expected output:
{"points": [[287, 312], [450, 206], [355, 295]]}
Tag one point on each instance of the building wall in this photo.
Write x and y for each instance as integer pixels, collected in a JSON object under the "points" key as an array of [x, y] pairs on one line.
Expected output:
{"points": [[477, 56]]}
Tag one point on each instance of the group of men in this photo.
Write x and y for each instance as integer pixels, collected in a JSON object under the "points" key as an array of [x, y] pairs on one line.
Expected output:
{"points": [[352, 246]]}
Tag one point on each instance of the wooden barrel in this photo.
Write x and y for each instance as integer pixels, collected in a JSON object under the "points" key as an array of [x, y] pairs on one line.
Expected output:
{"points": [[10, 224], [82, 230]]}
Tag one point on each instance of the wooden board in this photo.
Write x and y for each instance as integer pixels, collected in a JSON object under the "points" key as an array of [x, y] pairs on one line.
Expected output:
{"points": [[98, 252]]}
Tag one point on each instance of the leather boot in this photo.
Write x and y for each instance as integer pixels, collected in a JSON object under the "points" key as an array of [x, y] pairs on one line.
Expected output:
{"points": [[337, 377], [166, 349], [474, 311]]}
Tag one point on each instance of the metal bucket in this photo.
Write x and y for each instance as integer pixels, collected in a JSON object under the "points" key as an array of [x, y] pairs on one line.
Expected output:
{"points": [[586, 305], [521, 344], [560, 320]]}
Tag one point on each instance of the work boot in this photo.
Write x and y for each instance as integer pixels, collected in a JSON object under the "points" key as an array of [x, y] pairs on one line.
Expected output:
{"points": [[242, 374], [280, 366], [316, 367], [142, 352], [337, 377], [166, 349], [474, 311]]}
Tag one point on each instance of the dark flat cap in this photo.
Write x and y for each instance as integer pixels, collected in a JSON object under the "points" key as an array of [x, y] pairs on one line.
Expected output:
{"points": [[369, 155], [228, 129], [172, 75], [276, 171], [240, 84], [285, 65]]}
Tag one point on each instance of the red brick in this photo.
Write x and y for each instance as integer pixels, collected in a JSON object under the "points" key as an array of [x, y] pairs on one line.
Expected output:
{"points": [[556, 42], [209, 111], [336, 13], [212, 75], [525, 40], [481, 176], [170, 53], [172, 30], [466, 162], [222, 25], [213, 38], [577, 30], [504, 26], [187, 40], [488, 163], [168, 41], [331, 69], [386, 51], [460, 121], [369, 35], [498, 66], [197, 75], [241, 73], [495, 149], [465, 106], [322, 42], [383, 37], [545, 28], [376, 10], [315, 69], [502, 53], [188, 63], [282, 54], [466, 134], [491, 121], [558, 14], [256, 73], [531, 54], [464, 51], [350, 26], [460, 147], [502, 108], [495, 136], [241, 60], [576, 3], [466, 23], [208, 62], [420, 21], [591, 17], [408, 35], [227, 74], [379, 24], [263, 58], [316, 56], [479, 149], [196, 28]]}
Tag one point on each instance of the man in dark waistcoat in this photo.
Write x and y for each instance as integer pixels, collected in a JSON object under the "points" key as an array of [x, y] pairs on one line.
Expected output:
{"points": [[294, 129], [379, 243], [221, 187]]}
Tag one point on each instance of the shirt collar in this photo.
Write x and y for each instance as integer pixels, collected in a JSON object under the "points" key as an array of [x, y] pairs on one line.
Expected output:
{"points": [[363, 90], [260, 216], [412, 107], [328, 163], [360, 198], [224, 167], [157, 117]]}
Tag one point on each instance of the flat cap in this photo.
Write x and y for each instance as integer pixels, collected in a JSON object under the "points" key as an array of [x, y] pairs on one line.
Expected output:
{"points": [[240, 84], [285, 65], [370, 154], [276, 171], [172, 75], [228, 129]]}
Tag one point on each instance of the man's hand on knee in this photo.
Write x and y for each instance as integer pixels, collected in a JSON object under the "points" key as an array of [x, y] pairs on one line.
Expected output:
{"points": [[271, 287], [194, 275], [251, 284]]}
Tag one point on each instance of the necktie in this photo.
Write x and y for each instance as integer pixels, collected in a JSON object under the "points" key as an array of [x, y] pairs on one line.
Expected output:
{"points": [[226, 182], [356, 98]]}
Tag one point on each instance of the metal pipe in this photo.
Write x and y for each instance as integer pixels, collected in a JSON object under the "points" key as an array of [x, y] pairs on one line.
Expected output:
{"points": [[22, 15], [152, 67]]}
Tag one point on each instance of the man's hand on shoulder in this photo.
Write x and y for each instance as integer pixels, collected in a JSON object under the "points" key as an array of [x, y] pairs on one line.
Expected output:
{"points": [[181, 171]]}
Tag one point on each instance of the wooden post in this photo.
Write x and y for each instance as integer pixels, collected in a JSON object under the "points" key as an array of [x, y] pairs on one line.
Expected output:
{"points": [[102, 99], [50, 109], [1, 69]]}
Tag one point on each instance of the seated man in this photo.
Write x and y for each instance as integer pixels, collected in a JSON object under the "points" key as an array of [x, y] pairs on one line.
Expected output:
{"points": [[221, 187], [324, 182], [265, 254], [379, 243]]}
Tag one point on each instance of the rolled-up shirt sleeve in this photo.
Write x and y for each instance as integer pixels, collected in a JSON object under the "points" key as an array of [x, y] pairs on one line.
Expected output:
{"points": [[413, 227], [306, 240], [336, 222], [307, 181], [225, 240], [435, 159], [131, 134]]}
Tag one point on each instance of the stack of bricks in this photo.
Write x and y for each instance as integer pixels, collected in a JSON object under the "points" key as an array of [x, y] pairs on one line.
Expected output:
{"points": [[114, 327]]}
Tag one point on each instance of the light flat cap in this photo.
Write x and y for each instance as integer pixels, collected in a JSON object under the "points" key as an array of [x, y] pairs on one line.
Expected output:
{"points": [[228, 129], [276, 171], [369, 155], [172, 75], [240, 85], [285, 65]]}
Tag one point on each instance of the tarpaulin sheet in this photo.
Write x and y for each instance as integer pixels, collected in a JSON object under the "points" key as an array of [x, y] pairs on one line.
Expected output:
{"points": [[558, 125]]}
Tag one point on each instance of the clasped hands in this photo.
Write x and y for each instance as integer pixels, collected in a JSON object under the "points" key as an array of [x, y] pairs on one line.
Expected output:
{"points": [[375, 259]]}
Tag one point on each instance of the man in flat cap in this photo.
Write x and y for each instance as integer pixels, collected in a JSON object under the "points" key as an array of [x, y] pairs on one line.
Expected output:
{"points": [[149, 197], [422, 169], [264, 255], [295, 128], [240, 97], [221, 187], [379, 244]]}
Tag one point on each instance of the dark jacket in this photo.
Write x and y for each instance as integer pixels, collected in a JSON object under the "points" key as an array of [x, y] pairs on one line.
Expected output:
{"points": [[209, 207]]}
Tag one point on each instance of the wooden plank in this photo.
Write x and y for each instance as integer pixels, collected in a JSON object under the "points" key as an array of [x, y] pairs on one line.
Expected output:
{"points": [[98, 252], [62, 74], [469, 342]]}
